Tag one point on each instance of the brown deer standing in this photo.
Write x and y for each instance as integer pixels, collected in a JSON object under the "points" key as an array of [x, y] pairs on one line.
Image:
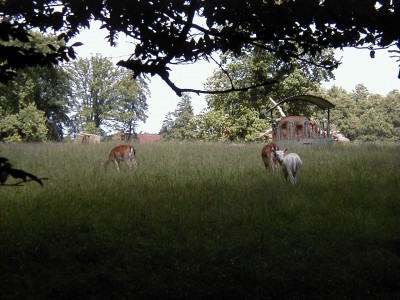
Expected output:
{"points": [[269, 157], [122, 152]]}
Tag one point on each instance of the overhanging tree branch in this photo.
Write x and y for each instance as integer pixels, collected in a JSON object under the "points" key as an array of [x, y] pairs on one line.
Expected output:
{"points": [[180, 91], [165, 31]]}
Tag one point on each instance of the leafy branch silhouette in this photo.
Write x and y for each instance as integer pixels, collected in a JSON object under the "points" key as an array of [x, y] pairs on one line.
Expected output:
{"points": [[7, 170]]}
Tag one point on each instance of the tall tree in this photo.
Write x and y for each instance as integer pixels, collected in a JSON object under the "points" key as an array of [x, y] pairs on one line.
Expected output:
{"points": [[344, 116], [167, 124], [104, 95], [391, 105], [47, 87], [170, 32], [177, 125], [360, 93]]}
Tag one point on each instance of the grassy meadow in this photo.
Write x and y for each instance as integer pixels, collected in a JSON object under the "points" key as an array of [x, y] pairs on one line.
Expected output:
{"points": [[201, 221]]}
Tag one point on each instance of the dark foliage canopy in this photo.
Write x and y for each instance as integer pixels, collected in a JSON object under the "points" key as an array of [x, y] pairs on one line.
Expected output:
{"points": [[181, 31]]}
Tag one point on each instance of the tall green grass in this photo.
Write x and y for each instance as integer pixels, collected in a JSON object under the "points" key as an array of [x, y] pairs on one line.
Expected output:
{"points": [[201, 221]]}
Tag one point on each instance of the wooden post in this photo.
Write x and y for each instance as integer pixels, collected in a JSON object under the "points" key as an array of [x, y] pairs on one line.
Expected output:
{"points": [[328, 127], [272, 120]]}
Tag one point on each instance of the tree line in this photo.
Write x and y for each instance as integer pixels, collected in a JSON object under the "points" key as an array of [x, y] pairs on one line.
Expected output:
{"points": [[359, 115], [240, 116], [296, 35], [85, 95], [93, 95]]}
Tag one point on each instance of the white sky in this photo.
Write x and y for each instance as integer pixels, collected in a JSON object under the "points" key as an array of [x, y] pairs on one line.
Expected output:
{"points": [[379, 75]]}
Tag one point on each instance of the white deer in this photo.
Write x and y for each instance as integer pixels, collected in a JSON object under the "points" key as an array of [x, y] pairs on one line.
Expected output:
{"points": [[123, 152], [291, 164]]}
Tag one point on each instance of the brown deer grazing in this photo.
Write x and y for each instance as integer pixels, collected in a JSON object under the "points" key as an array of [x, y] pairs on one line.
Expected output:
{"points": [[269, 157], [122, 152]]}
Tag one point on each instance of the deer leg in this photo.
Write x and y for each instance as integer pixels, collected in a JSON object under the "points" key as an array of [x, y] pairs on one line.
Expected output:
{"points": [[129, 163], [116, 164]]}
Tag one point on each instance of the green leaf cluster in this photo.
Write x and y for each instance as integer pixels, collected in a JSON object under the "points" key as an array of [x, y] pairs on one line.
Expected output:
{"points": [[178, 125], [45, 86], [363, 116], [28, 125]]}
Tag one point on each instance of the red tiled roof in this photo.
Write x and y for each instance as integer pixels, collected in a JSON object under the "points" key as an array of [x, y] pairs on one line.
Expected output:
{"points": [[146, 138]]}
